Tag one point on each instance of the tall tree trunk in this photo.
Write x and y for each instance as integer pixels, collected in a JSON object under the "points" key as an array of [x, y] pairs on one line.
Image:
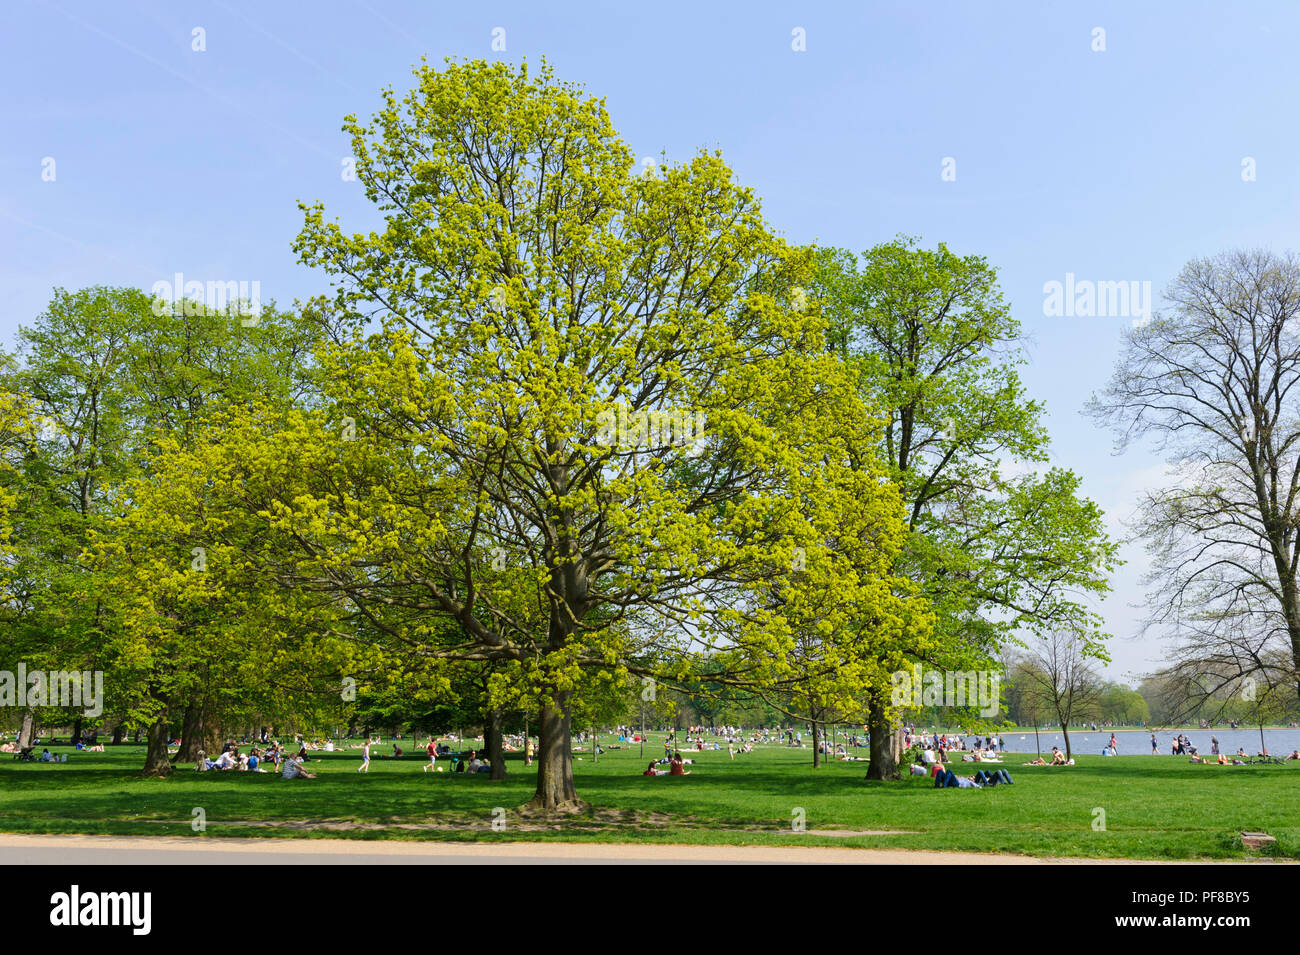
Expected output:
{"points": [[156, 762], [76, 731], [28, 729], [555, 789], [492, 742], [119, 732], [1065, 731], [191, 735], [816, 743], [884, 759]]}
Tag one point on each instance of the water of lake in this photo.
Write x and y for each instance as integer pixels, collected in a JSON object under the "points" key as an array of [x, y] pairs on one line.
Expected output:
{"points": [[1138, 742]]}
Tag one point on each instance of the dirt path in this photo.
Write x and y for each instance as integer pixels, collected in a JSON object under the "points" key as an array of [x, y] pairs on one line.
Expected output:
{"points": [[143, 850]]}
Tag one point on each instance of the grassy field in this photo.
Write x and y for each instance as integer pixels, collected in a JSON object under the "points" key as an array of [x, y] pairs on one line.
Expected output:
{"points": [[1154, 807]]}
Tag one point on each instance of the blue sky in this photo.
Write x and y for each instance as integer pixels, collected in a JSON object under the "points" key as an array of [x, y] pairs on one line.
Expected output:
{"points": [[1114, 165]]}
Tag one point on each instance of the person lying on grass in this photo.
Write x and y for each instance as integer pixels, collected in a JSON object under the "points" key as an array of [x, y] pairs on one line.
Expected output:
{"points": [[293, 769], [950, 780]]}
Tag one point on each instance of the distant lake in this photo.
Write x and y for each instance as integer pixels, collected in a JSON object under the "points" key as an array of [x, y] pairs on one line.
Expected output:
{"points": [[1138, 742]]}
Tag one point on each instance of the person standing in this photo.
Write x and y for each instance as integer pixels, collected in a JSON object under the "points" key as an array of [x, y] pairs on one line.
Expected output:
{"points": [[1155, 747], [432, 750], [365, 758], [528, 752]]}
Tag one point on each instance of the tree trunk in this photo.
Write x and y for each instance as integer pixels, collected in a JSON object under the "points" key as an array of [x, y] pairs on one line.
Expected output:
{"points": [[492, 742], [28, 729], [119, 732], [555, 789], [191, 735], [816, 744], [1065, 731], [76, 731], [884, 759], [200, 733], [156, 762], [136, 736]]}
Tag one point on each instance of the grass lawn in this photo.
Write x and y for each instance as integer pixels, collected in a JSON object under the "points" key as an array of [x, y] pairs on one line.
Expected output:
{"points": [[1155, 807]]}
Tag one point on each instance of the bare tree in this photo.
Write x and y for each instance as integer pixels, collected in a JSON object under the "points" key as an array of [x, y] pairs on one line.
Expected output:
{"points": [[1212, 382], [1060, 678]]}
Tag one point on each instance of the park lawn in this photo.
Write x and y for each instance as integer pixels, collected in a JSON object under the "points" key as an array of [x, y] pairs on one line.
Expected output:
{"points": [[1154, 807]]}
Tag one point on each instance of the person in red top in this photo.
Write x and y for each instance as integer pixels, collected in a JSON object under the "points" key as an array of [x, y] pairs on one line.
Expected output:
{"points": [[432, 750], [676, 767]]}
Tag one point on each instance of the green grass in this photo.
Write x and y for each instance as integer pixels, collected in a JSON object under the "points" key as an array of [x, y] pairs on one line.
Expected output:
{"points": [[1155, 807]]}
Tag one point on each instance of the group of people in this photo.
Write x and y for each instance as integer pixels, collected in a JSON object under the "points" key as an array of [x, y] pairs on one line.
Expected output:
{"points": [[947, 779], [252, 762], [1181, 746], [676, 766], [944, 742], [1058, 759]]}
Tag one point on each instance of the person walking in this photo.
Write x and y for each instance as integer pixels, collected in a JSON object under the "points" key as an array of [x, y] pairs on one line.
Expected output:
{"points": [[365, 758]]}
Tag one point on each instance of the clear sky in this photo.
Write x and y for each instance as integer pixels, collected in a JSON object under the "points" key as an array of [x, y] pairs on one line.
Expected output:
{"points": [[1111, 165]]}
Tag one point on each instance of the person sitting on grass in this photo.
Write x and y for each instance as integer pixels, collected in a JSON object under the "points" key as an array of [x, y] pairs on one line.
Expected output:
{"points": [[1058, 758], [651, 771], [46, 756], [1295, 754], [293, 769], [677, 767], [224, 761]]}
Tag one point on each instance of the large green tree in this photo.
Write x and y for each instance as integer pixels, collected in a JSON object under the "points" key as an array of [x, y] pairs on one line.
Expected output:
{"points": [[1001, 545], [576, 415]]}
